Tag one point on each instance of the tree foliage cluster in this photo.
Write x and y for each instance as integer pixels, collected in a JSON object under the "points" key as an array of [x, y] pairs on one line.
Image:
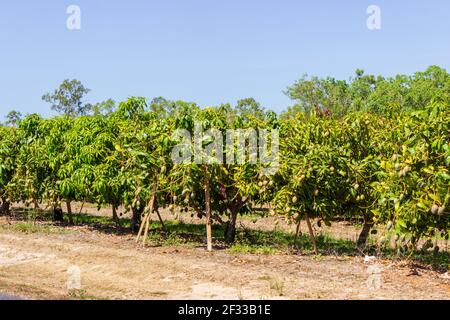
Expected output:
{"points": [[364, 92]]}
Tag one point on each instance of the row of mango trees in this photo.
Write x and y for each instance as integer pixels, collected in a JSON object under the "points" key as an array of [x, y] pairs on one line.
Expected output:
{"points": [[383, 171]]}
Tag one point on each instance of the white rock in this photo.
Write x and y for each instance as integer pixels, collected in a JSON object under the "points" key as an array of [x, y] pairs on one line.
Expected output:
{"points": [[369, 259]]}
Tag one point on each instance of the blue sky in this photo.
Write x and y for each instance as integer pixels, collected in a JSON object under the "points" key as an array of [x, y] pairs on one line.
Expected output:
{"points": [[208, 51]]}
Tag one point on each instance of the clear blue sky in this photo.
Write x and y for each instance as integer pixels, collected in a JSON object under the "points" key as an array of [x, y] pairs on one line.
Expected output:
{"points": [[209, 51]]}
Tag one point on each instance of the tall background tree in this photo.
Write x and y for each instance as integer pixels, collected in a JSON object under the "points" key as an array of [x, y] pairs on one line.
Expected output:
{"points": [[249, 107], [365, 92], [68, 98], [103, 108], [13, 118]]}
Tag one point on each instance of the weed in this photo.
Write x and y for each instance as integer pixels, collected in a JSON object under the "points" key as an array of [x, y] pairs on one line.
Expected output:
{"points": [[277, 285], [80, 294]]}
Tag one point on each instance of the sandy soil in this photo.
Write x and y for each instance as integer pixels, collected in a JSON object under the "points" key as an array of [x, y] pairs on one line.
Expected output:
{"points": [[36, 266]]}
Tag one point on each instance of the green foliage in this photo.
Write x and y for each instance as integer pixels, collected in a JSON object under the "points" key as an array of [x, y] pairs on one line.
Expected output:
{"points": [[384, 96], [415, 189], [30, 227], [383, 170], [327, 93]]}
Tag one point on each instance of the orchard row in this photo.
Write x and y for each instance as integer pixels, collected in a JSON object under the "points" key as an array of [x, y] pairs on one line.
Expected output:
{"points": [[380, 170]]}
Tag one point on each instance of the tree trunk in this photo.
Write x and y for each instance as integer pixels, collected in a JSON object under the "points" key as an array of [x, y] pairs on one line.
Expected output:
{"points": [[230, 232], [57, 214], [4, 208], [69, 211], [311, 233], [135, 219], [208, 215], [297, 233], [81, 208], [148, 210], [36, 204], [364, 235], [149, 213], [114, 213], [160, 219]]}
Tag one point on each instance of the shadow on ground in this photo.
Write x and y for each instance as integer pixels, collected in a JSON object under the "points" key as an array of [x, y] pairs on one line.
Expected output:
{"points": [[178, 233]]}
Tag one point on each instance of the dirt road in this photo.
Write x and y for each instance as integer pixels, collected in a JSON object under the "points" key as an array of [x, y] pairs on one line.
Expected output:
{"points": [[114, 267]]}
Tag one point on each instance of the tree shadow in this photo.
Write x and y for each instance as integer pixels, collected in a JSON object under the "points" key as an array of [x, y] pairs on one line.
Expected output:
{"points": [[99, 223], [178, 233]]}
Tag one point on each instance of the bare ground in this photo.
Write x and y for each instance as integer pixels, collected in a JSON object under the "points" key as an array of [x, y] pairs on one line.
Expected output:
{"points": [[114, 267]]}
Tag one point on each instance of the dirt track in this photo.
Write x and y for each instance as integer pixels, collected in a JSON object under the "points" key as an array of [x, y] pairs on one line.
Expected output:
{"points": [[114, 267]]}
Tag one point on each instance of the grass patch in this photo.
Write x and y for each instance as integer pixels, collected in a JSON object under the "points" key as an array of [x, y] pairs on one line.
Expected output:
{"points": [[89, 220], [80, 294], [159, 293], [245, 248], [439, 261], [177, 233], [268, 242], [277, 285], [400, 249], [31, 227]]}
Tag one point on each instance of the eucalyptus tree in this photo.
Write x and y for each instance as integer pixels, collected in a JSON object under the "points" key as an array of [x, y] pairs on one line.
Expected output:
{"points": [[13, 118], [249, 107], [103, 108], [388, 96], [68, 98]]}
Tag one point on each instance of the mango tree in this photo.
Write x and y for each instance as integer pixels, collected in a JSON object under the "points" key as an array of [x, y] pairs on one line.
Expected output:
{"points": [[414, 194], [313, 177], [8, 153]]}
